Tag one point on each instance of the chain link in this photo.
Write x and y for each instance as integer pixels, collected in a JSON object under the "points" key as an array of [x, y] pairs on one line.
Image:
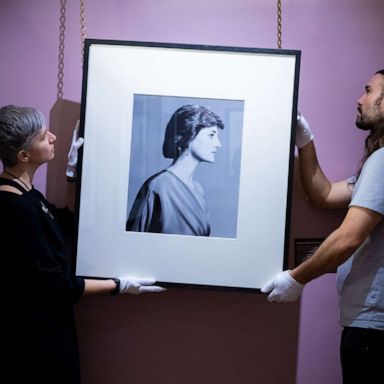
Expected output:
{"points": [[279, 23], [83, 29], [60, 74]]}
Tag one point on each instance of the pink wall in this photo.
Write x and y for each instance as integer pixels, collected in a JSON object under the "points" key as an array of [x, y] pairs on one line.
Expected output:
{"points": [[189, 336]]}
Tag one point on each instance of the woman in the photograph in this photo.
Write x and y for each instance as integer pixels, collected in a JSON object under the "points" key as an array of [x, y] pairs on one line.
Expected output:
{"points": [[172, 201]]}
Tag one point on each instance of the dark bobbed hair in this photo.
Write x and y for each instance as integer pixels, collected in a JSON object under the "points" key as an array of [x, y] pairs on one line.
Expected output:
{"points": [[18, 127], [184, 125]]}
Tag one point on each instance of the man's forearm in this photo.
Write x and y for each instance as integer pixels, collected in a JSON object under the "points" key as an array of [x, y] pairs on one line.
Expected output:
{"points": [[315, 183], [334, 251]]}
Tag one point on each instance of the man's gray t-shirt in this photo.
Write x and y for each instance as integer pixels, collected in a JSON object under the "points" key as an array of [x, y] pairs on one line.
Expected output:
{"points": [[360, 280]]}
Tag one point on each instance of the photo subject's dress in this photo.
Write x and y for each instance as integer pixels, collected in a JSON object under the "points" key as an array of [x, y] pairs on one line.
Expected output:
{"points": [[165, 204]]}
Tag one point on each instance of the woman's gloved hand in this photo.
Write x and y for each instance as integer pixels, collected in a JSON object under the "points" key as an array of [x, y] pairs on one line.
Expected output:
{"points": [[77, 142], [136, 285]]}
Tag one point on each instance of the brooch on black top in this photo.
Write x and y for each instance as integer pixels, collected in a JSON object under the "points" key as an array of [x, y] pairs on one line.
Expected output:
{"points": [[46, 210]]}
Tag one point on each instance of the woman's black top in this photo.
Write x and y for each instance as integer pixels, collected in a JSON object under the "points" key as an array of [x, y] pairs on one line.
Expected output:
{"points": [[39, 290]]}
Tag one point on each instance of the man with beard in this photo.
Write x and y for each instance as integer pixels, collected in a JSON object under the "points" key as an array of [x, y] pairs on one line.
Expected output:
{"points": [[356, 248]]}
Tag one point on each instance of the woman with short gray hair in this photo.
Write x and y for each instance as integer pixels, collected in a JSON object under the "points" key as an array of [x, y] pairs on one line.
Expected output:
{"points": [[41, 290]]}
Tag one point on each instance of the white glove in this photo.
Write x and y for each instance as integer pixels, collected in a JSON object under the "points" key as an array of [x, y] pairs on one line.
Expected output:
{"points": [[137, 285], [304, 134], [283, 287], [77, 142]]}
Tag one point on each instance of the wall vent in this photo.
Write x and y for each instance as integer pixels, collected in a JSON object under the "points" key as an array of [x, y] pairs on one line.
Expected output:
{"points": [[305, 248]]}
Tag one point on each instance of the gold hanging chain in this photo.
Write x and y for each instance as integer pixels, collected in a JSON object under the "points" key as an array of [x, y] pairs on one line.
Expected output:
{"points": [[60, 74], [279, 23], [83, 29]]}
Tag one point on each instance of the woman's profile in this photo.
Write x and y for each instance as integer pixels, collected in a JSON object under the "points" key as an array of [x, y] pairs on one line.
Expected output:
{"points": [[172, 201]]}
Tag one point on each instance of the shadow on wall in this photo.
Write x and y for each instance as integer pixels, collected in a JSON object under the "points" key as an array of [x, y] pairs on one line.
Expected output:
{"points": [[63, 117]]}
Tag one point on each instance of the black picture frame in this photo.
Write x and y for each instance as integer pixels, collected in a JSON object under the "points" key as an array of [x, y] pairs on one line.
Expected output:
{"points": [[260, 86]]}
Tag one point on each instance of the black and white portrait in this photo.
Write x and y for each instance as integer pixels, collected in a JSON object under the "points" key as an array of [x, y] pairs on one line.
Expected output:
{"points": [[185, 166]]}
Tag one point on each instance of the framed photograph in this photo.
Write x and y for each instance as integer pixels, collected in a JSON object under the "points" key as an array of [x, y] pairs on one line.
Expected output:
{"points": [[186, 169]]}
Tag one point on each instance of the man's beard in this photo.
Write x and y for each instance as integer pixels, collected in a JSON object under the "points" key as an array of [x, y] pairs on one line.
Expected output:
{"points": [[364, 125], [371, 119]]}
